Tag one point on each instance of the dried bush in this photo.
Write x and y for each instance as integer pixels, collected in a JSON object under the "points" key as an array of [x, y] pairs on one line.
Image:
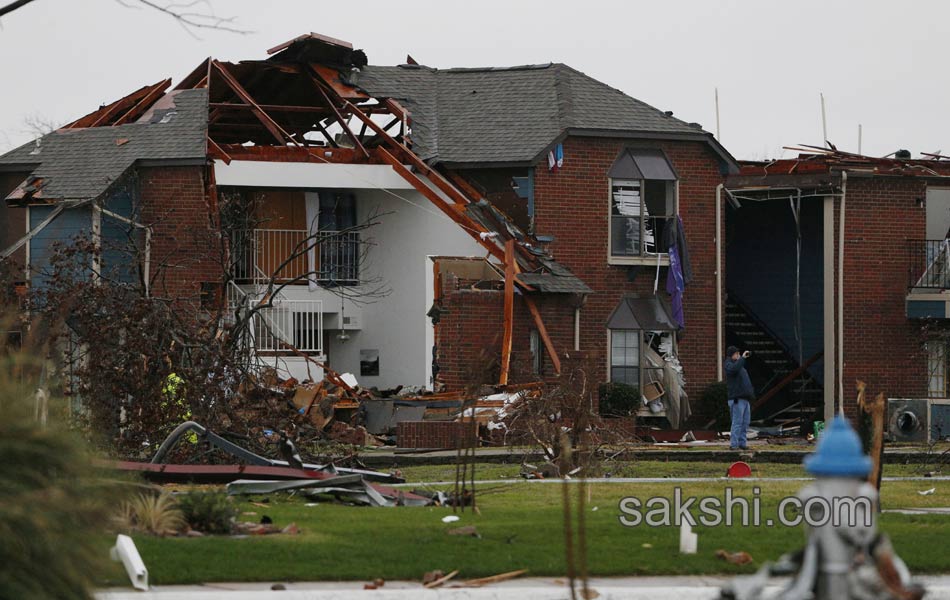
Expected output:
{"points": [[156, 514]]}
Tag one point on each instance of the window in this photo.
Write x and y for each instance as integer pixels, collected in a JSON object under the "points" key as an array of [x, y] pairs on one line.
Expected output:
{"points": [[625, 356], [537, 353], [640, 213], [642, 205], [937, 369]]}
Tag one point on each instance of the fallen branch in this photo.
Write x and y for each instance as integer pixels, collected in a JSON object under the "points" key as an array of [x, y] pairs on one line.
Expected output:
{"points": [[441, 580], [495, 578]]}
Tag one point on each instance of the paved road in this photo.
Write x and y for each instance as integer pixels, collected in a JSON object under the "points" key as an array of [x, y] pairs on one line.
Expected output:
{"points": [[534, 588]]}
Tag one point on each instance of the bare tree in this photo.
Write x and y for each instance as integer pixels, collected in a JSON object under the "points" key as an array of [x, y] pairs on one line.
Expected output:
{"points": [[191, 15]]}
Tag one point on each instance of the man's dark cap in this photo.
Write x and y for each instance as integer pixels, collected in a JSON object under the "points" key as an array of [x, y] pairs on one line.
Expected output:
{"points": [[731, 350]]}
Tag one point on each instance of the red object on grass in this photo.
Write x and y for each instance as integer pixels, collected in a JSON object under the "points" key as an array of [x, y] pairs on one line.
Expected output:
{"points": [[739, 469]]}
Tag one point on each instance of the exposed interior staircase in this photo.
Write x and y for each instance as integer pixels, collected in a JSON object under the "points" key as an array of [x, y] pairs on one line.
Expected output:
{"points": [[786, 393]]}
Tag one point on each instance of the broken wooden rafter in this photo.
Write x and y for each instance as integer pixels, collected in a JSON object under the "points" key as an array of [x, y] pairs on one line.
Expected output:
{"points": [[509, 312], [145, 103], [104, 115], [543, 332], [276, 130], [216, 151], [319, 84]]}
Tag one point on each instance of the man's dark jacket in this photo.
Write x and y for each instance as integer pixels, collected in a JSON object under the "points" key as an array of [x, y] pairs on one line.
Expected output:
{"points": [[737, 380]]}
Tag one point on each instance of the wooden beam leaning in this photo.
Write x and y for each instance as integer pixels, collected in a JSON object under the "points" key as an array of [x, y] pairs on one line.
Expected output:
{"points": [[509, 314], [543, 333], [276, 130], [472, 228]]}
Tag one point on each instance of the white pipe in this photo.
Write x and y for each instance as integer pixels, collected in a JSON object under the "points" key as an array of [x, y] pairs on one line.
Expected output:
{"points": [[844, 193], [577, 329], [719, 334], [125, 552], [828, 209]]}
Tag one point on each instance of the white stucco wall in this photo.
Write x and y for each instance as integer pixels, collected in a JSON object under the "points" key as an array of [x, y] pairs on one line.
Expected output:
{"points": [[397, 326], [411, 230]]}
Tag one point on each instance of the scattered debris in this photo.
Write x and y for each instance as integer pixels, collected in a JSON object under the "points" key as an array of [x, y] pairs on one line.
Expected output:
{"points": [[125, 552], [688, 539], [434, 579], [450, 518], [739, 469], [465, 530], [354, 489], [494, 578], [927, 492], [736, 558]]}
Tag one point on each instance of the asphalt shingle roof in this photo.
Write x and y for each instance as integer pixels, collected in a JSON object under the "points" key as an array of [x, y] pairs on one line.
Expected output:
{"points": [[508, 114], [82, 163]]}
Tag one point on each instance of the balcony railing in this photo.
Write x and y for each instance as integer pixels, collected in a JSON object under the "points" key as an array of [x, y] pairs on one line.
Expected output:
{"points": [[928, 264], [289, 325], [291, 255], [286, 326]]}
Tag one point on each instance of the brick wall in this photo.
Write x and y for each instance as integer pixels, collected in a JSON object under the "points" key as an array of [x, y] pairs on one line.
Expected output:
{"points": [[881, 345], [174, 200], [12, 219], [435, 434], [572, 204]]}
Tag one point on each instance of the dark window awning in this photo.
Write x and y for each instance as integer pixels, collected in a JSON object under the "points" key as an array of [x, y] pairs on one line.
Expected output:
{"points": [[642, 163], [649, 314]]}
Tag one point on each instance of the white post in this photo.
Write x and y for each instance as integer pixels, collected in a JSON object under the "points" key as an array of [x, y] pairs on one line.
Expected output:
{"points": [[829, 307]]}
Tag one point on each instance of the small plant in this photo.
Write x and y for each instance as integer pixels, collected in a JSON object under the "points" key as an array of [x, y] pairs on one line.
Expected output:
{"points": [[158, 514], [715, 402], [618, 399], [208, 512]]}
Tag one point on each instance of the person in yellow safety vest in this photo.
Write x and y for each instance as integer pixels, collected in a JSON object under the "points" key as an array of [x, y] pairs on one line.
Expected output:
{"points": [[173, 392]]}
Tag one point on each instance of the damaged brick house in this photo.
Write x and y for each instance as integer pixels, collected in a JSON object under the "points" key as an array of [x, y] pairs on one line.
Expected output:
{"points": [[524, 214], [814, 333]]}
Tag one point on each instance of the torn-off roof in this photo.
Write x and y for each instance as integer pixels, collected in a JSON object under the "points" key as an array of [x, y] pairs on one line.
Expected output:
{"points": [[82, 163], [513, 115]]}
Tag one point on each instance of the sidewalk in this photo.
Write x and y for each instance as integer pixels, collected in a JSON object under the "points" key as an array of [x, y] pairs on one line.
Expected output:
{"points": [[535, 588]]}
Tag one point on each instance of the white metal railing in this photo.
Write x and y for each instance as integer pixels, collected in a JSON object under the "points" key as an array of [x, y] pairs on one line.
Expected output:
{"points": [[332, 259], [289, 325]]}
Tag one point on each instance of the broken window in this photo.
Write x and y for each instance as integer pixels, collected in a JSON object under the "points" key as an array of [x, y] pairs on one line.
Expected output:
{"points": [[640, 213], [642, 203]]}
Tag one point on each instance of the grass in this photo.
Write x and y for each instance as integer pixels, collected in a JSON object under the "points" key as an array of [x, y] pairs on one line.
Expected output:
{"points": [[646, 468], [521, 528]]}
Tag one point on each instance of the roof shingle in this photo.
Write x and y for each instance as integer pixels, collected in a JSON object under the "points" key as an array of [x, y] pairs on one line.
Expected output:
{"points": [[498, 115], [82, 163]]}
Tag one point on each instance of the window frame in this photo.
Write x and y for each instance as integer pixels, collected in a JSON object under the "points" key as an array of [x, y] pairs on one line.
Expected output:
{"points": [[644, 258], [639, 353]]}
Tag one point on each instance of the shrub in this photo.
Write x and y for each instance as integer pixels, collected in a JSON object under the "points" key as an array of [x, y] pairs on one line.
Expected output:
{"points": [[52, 507], [208, 512], [158, 514], [618, 399], [715, 402]]}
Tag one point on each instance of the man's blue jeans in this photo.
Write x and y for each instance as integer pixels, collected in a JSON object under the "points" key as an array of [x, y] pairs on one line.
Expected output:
{"points": [[741, 413]]}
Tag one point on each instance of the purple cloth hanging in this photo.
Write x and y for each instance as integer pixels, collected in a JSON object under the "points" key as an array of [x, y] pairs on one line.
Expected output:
{"points": [[675, 286]]}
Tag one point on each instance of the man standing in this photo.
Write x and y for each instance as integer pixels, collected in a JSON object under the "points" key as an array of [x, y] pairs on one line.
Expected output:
{"points": [[741, 393]]}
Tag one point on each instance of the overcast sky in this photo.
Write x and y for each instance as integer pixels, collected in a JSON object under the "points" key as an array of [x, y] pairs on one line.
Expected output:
{"points": [[879, 63]]}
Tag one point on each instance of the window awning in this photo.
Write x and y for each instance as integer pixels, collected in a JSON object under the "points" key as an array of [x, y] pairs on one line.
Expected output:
{"points": [[642, 163], [649, 314]]}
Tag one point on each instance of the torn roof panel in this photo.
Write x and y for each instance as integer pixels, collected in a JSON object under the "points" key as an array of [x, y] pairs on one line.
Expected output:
{"points": [[82, 163], [498, 115]]}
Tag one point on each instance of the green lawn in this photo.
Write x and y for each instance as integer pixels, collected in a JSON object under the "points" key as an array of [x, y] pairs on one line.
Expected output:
{"points": [[648, 468], [521, 528]]}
